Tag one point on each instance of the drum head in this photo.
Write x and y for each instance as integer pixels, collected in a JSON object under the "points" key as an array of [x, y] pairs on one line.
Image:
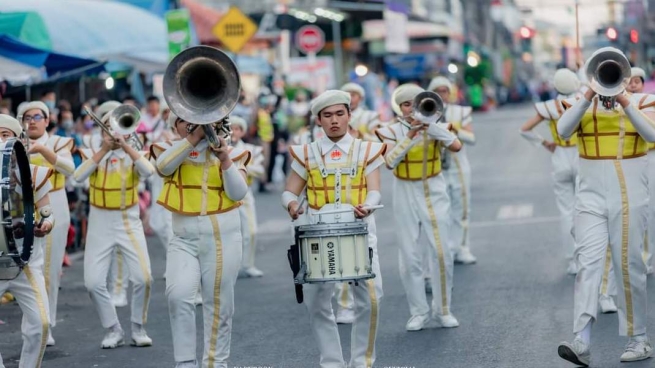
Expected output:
{"points": [[17, 197]]}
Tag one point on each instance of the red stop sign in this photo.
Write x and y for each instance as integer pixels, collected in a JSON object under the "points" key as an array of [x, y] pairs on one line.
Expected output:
{"points": [[310, 39]]}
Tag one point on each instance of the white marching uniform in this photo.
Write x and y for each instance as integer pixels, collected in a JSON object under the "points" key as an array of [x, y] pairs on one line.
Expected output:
{"points": [[611, 207], [161, 220], [114, 222], [367, 294], [457, 172], [365, 122], [29, 287], [649, 244], [205, 249], [247, 211], [420, 204], [564, 173], [55, 242]]}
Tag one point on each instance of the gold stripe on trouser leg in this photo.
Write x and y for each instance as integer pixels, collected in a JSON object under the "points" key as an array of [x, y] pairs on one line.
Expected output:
{"points": [[606, 271], [462, 182], [373, 324], [42, 312], [435, 228], [625, 226], [142, 263], [217, 290], [343, 301], [644, 254], [119, 271], [47, 261], [252, 229]]}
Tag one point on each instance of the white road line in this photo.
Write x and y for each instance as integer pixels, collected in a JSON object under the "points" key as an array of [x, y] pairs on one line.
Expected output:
{"points": [[510, 212], [519, 221]]}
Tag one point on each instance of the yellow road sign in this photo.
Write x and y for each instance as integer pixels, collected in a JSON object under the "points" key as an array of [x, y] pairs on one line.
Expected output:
{"points": [[234, 29]]}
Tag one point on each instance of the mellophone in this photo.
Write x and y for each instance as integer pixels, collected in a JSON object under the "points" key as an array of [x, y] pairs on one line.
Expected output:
{"points": [[335, 249]]}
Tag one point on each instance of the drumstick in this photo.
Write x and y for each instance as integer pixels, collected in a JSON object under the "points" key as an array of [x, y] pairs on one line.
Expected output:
{"points": [[368, 208], [349, 210], [44, 212], [302, 201]]}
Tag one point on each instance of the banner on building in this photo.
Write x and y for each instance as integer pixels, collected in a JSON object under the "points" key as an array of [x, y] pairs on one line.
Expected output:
{"points": [[316, 75], [179, 31]]}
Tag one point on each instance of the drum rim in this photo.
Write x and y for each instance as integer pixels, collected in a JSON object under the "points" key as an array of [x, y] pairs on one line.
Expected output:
{"points": [[22, 161]]}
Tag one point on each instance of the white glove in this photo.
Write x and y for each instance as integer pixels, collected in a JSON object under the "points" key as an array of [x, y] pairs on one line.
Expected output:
{"points": [[439, 132]]}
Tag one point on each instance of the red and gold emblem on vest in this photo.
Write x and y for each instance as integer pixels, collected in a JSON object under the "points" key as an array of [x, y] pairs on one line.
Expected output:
{"points": [[193, 154], [335, 155], [114, 161]]}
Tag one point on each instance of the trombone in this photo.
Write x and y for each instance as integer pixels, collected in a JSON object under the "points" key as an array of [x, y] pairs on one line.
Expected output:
{"points": [[122, 120]]}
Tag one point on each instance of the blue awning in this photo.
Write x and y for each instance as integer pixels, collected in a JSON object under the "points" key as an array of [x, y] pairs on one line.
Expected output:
{"points": [[53, 63]]}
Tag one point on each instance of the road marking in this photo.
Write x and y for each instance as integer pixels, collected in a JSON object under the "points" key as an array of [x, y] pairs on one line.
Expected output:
{"points": [[511, 212], [513, 222]]}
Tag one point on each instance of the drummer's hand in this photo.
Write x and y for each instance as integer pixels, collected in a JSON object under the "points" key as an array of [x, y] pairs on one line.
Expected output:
{"points": [[361, 212], [43, 230], [295, 210], [35, 147]]}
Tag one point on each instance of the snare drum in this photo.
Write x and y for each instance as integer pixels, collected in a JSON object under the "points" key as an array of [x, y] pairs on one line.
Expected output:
{"points": [[17, 200], [334, 252]]}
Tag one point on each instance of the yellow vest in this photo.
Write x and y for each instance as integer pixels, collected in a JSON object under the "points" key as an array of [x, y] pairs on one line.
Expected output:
{"points": [[552, 110], [608, 135], [572, 141], [196, 189], [423, 154], [58, 180], [322, 190], [115, 189]]}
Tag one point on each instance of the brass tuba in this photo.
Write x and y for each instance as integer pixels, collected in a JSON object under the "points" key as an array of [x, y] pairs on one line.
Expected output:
{"points": [[202, 86], [608, 72], [428, 107]]}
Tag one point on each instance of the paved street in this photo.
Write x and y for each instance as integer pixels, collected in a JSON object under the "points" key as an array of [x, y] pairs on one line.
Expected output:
{"points": [[514, 306]]}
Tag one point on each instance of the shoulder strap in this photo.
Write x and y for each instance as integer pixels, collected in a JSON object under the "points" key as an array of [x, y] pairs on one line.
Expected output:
{"points": [[355, 162], [319, 159]]}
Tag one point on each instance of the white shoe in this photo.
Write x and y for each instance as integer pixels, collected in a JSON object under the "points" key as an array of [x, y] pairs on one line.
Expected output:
{"points": [[465, 256], [119, 300], [446, 321], [51, 340], [417, 323], [253, 272], [113, 338], [576, 352], [573, 268], [345, 316], [636, 350], [607, 304], [191, 364], [139, 336]]}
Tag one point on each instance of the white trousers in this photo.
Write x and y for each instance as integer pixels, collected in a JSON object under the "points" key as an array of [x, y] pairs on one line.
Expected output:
{"points": [[119, 274], [650, 230], [248, 230], [565, 176], [30, 292], [366, 295], [161, 219], [55, 249], [611, 211], [205, 250], [424, 206], [107, 230], [343, 291], [458, 179]]}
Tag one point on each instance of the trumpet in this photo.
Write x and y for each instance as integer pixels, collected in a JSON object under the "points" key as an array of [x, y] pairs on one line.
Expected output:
{"points": [[201, 86], [608, 72], [428, 107], [122, 120]]}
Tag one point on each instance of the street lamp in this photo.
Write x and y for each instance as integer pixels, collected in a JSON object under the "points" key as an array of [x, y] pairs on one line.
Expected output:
{"points": [[109, 83], [452, 68], [361, 70]]}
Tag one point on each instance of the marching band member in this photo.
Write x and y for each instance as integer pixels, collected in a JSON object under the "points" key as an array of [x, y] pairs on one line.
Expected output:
{"points": [[29, 287], [53, 152], [611, 207], [564, 156], [203, 188], [337, 150], [421, 203], [636, 85], [457, 171], [364, 121], [247, 211], [114, 170]]}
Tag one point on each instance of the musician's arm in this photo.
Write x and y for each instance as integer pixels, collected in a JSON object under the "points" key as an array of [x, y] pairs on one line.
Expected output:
{"points": [[42, 197], [569, 121], [234, 177], [143, 166], [295, 185], [63, 157], [440, 133], [529, 134], [643, 120], [89, 165], [173, 157]]}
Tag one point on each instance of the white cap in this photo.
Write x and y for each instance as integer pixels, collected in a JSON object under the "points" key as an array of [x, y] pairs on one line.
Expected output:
{"points": [[354, 87], [566, 81], [638, 72], [407, 93], [238, 120], [33, 105], [439, 81], [329, 98], [7, 121], [106, 107], [172, 118]]}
